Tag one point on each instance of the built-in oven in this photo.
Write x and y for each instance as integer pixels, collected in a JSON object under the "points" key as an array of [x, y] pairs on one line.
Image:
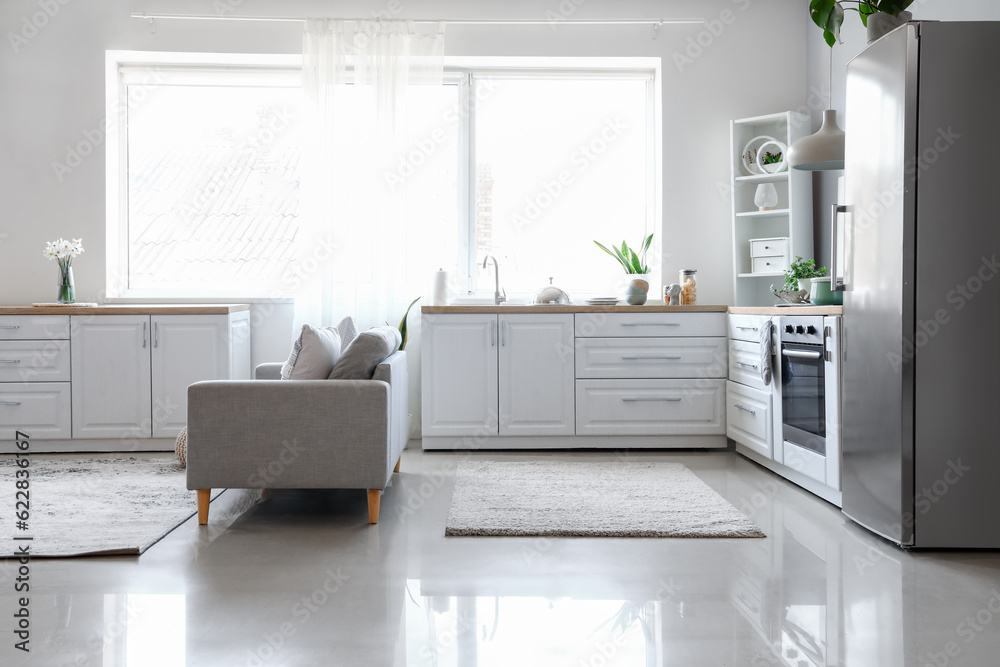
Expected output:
{"points": [[804, 398]]}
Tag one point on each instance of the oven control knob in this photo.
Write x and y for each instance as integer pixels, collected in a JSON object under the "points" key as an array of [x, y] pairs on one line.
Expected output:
{"points": [[800, 329], [810, 329], [789, 328]]}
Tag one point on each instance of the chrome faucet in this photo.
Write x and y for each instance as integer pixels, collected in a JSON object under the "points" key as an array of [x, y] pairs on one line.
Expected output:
{"points": [[497, 297]]}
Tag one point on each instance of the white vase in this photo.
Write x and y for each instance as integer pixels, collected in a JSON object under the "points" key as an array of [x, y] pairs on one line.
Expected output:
{"points": [[766, 197]]}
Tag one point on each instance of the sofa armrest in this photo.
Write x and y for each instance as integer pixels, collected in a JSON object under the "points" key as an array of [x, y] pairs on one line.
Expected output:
{"points": [[290, 434], [268, 372], [393, 370]]}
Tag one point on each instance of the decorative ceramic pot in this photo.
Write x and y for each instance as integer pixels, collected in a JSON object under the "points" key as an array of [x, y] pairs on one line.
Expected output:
{"points": [[881, 23]]}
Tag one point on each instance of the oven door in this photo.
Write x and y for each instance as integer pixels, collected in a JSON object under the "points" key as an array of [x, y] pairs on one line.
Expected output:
{"points": [[803, 396]]}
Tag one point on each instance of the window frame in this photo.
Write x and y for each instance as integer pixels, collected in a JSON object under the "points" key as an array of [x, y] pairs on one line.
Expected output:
{"points": [[122, 67]]}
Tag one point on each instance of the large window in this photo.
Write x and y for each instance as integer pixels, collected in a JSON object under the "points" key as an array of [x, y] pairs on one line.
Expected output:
{"points": [[529, 166]]}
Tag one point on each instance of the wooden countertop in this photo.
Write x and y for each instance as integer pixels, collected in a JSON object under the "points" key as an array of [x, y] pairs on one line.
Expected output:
{"points": [[574, 308], [787, 310], [128, 309]]}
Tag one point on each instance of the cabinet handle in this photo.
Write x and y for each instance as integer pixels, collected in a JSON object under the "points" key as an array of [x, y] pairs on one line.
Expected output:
{"points": [[493, 333], [144, 335], [10, 326], [746, 365], [650, 324], [503, 334], [638, 399], [156, 334], [10, 361], [747, 410], [637, 358], [10, 403], [747, 328]]}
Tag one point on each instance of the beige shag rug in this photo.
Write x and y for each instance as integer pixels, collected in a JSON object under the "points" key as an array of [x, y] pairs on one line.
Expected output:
{"points": [[582, 499], [89, 505]]}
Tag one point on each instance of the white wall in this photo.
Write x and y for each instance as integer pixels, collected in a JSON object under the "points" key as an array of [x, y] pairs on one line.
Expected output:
{"points": [[855, 40], [748, 60]]}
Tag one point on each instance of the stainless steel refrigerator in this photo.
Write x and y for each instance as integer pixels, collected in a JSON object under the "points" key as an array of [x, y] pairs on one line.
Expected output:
{"points": [[920, 253]]}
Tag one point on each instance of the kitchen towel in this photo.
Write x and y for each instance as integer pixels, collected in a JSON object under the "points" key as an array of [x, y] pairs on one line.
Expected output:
{"points": [[439, 291], [766, 333]]}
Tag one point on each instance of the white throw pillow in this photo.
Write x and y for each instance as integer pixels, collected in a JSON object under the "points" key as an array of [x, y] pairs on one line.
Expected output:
{"points": [[314, 354]]}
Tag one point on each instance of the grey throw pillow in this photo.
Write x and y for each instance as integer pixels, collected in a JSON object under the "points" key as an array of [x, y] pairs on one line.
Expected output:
{"points": [[348, 331], [366, 352], [314, 354]]}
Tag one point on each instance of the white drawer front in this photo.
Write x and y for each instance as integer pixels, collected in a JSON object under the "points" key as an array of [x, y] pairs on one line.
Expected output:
{"points": [[748, 418], [34, 361], [746, 327], [650, 407], [40, 409], [768, 247], [34, 327], [648, 325], [744, 363], [805, 461], [651, 358], [770, 264]]}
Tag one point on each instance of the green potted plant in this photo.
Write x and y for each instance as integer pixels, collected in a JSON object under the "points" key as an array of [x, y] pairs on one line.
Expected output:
{"points": [[636, 269], [878, 16], [801, 272]]}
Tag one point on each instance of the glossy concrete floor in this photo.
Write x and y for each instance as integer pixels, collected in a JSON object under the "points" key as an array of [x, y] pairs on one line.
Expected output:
{"points": [[301, 579]]}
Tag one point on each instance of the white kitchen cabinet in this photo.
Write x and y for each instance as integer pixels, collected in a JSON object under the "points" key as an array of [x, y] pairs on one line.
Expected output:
{"points": [[40, 409], [496, 374], [130, 373], [185, 349], [749, 418], [536, 374], [459, 383], [111, 377], [628, 377]]}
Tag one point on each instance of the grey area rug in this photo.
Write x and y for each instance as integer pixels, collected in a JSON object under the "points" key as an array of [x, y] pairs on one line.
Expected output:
{"points": [[573, 499], [88, 505]]}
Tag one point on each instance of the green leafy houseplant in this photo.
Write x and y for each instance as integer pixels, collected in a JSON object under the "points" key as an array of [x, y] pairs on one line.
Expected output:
{"points": [[633, 262], [802, 269], [829, 14], [771, 158], [402, 324]]}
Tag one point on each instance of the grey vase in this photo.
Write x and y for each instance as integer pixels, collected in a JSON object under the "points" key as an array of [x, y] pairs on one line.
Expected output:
{"points": [[881, 23]]}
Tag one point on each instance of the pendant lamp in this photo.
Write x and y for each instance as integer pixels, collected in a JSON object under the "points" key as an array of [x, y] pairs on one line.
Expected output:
{"points": [[823, 151]]}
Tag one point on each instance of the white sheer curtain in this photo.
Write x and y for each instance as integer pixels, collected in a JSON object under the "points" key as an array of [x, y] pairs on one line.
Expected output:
{"points": [[352, 256]]}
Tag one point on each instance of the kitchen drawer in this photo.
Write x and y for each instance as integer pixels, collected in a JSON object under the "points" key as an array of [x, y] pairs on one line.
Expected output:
{"points": [[805, 461], [748, 418], [34, 327], [769, 247], [770, 264], [647, 325], [650, 407], [744, 363], [34, 361], [651, 358], [40, 409], [747, 327]]}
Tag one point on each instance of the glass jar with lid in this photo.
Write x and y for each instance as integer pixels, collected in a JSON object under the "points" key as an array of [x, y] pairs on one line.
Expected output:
{"points": [[689, 287]]}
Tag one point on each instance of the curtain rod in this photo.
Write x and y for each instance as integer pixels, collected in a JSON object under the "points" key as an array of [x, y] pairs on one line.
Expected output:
{"points": [[209, 17]]}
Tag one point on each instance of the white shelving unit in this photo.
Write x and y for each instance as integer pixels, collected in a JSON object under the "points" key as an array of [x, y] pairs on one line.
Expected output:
{"points": [[791, 219]]}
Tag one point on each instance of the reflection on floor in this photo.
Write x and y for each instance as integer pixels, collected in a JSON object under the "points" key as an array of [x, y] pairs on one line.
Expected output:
{"points": [[301, 579]]}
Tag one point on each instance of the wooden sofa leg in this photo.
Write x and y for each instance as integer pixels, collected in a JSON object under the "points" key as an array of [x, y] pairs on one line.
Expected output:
{"points": [[400, 460], [374, 497], [204, 496]]}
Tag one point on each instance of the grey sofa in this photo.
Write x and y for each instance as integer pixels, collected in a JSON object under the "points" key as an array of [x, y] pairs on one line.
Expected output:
{"points": [[285, 434]]}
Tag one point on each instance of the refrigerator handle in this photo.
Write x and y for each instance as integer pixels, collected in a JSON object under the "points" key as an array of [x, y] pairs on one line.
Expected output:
{"points": [[836, 284]]}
